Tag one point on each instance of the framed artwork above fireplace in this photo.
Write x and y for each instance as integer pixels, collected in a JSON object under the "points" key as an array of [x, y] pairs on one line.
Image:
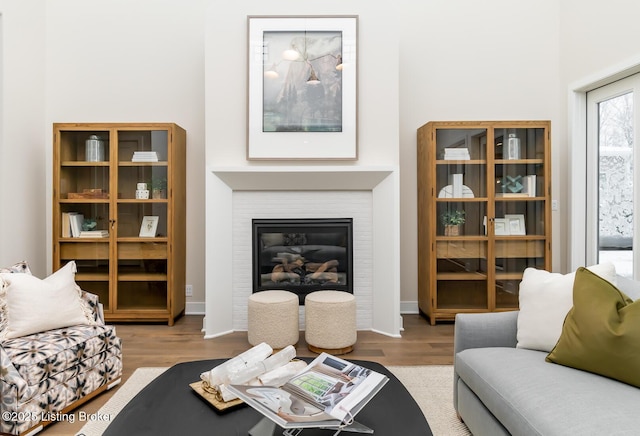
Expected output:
{"points": [[302, 96]]}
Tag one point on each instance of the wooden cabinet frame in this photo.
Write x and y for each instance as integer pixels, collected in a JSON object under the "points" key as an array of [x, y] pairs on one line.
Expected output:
{"points": [[136, 278], [479, 270]]}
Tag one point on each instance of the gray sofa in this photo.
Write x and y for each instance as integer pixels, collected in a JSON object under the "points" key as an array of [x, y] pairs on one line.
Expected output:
{"points": [[501, 390]]}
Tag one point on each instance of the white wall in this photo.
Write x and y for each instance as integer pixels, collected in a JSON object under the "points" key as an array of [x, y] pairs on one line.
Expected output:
{"points": [[23, 184], [594, 38], [125, 61], [226, 60], [89, 60], [470, 60]]}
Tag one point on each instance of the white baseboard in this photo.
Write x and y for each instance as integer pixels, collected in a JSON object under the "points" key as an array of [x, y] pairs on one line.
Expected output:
{"points": [[198, 308], [409, 307], [194, 308]]}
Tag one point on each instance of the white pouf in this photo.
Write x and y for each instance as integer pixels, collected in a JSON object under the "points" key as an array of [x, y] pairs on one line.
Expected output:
{"points": [[273, 318], [330, 318]]}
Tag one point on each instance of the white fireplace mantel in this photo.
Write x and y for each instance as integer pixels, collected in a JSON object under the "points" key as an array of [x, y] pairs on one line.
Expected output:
{"points": [[382, 181]]}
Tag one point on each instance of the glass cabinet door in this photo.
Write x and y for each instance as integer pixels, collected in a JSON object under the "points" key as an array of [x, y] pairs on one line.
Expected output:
{"points": [[83, 208], [484, 213], [461, 209], [519, 225], [142, 219], [119, 213]]}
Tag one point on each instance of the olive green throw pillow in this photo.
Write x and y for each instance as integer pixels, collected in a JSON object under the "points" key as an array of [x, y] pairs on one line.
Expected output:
{"points": [[601, 333]]}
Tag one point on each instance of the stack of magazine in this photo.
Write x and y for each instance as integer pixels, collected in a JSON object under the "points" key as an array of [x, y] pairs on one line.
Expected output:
{"points": [[144, 156], [328, 393], [456, 153]]}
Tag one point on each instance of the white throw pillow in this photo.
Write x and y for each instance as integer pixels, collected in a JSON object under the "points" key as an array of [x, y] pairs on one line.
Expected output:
{"points": [[545, 300], [20, 267], [32, 305]]}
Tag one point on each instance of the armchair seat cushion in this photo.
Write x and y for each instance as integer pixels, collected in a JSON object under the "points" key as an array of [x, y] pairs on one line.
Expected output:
{"points": [[49, 354], [46, 373]]}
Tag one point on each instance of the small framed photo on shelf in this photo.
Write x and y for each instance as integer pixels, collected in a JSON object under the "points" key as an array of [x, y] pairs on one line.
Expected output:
{"points": [[515, 224], [149, 226], [500, 227]]}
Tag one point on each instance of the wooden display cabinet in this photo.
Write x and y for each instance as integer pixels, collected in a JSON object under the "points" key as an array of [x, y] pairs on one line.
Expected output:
{"points": [[138, 276], [497, 175]]}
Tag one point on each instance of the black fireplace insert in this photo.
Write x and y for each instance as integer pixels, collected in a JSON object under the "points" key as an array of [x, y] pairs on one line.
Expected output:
{"points": [[303, 255]]}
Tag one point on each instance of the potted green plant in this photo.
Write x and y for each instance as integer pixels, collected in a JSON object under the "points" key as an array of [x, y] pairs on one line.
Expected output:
{"points": [[158, 187], [452, 221]]}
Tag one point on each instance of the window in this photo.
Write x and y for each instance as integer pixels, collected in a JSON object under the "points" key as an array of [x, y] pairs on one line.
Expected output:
{"points": [[611, 114]]}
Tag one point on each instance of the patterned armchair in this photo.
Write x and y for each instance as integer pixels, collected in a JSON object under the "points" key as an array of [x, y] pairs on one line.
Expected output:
{"points": [[52, 372]]}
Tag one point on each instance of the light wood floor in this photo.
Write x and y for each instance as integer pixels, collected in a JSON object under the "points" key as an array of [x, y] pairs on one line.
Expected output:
{"points": [[161, 345]]}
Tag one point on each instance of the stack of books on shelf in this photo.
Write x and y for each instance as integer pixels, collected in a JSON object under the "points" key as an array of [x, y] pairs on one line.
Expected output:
{"points": [[456, 154], [72, 227], [94, 234], [71, 224], [144, 156]]}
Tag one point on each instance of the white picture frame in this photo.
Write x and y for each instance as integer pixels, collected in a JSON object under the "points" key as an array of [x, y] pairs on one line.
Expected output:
{"points": [[290, 116], [500, 227], [149, 226], [515, 224]]}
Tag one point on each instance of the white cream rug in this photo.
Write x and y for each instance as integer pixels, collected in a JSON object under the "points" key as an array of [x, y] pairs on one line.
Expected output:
{"points": [[430, 385], [138, 380], [432, 388]]}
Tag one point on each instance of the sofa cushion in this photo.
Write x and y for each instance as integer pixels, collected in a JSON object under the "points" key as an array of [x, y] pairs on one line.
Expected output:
{"points": [[601, 333], [530, 396], [32, 305], [629, 287], [545, 300]]}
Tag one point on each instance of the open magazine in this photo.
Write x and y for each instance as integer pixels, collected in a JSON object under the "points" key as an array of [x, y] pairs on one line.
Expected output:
{"points": [[329, 392]]}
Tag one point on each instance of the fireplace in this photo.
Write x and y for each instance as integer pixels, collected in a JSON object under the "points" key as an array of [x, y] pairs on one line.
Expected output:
{"points": [[237, 195], [303, 255]]}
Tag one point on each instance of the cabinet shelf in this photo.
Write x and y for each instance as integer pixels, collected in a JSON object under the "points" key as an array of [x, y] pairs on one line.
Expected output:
{"points": [[142, 277], [126, 163], [132, 312], [462, 238], [519, 161], [477, 266], [461, 276], [145, 201], [140, 239], [521, 238], [83, 200], [523, 198], [461, 162], [92, 277], [104, 240], [77, 163], [136, 278], [462, 200], [509, 276]]}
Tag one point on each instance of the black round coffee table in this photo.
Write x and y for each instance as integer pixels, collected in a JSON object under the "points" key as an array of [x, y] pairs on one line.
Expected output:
{"points": [[168, 406]]}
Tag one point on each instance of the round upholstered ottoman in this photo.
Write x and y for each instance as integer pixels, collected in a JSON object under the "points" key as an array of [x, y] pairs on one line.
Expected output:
{"points": [[273, 318], [330, 318]]}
